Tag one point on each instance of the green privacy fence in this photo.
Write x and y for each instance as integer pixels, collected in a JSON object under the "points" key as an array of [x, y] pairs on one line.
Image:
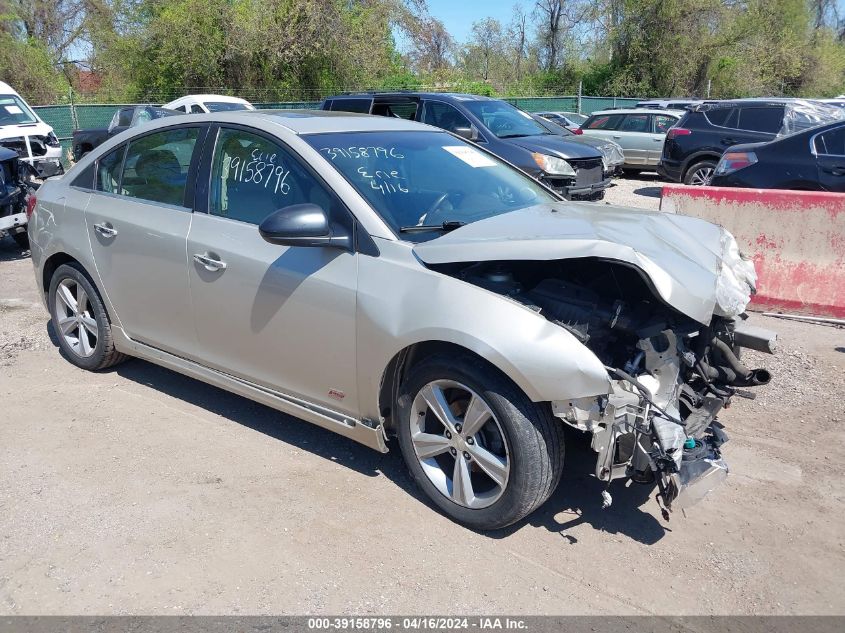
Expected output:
{"points": [[64, 119]]}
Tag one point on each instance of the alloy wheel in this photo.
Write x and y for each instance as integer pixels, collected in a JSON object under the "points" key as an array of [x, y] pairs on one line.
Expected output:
{"points": [[701, 176], [459, 444], [75, 320]]}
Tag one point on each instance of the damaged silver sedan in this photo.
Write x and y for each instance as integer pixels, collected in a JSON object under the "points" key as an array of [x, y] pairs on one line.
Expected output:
{"points": [[393, 283]]}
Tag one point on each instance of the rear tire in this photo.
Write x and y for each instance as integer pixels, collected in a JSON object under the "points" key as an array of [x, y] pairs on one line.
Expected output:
{"points": [[80, 320], [507, 461], [700, 174]]}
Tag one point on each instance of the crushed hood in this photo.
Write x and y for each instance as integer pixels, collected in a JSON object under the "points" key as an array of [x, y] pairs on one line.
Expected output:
{"points": [[555, 145], [693, 265]]}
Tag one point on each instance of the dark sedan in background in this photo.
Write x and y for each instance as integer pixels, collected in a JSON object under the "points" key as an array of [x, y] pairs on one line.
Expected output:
{"points": [[811, 160], [573, 170]]}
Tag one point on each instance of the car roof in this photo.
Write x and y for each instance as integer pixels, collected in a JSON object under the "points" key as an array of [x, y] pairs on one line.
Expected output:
{"points": [[210, 97], [303, 121], [640, 111], [456, 96]]}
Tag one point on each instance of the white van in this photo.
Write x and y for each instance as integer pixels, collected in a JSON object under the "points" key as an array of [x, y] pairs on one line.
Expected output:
{"points": [[199, 104], [23, 131]]}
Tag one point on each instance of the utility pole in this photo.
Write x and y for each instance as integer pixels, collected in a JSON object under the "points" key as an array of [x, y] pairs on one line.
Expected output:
{"points": [[709, 83]]}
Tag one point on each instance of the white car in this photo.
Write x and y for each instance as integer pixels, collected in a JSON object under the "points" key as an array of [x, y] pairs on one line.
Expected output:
{"points": [[23, 131], [201, 104]]}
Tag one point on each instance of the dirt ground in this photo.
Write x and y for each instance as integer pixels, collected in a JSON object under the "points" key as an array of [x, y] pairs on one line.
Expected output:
{"points": [[139, 491]]}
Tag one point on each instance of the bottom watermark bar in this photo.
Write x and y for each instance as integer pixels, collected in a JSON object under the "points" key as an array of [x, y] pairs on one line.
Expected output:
{"points": [[534, 624]]}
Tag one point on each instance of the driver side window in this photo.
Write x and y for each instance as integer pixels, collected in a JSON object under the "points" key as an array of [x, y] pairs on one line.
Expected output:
{"points": [[251, 176], [443, 115]]}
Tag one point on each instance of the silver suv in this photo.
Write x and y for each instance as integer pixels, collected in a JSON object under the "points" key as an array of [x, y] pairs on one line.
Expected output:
{"points": [[389, 281]]}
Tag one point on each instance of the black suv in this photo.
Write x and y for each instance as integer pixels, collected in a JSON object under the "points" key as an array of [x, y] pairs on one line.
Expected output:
{"points": [[574, 170], [695, 144]]}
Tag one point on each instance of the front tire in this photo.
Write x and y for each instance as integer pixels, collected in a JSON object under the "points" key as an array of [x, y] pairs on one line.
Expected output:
{"points": [[80, 320], [484, 454]]}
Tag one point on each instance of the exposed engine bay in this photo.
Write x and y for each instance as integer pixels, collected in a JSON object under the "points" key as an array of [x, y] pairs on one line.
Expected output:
{"points": [[16, 184], [669, 374]]}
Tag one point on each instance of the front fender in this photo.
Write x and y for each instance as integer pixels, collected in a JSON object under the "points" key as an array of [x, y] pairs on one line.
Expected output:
{"points": [[404, 303]]}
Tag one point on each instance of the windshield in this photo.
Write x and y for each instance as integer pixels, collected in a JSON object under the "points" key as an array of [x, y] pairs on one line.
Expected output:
{"points": [[145, 115], [504, 120], [225, 106], [552, 126], [13, 111], [427, 178]]}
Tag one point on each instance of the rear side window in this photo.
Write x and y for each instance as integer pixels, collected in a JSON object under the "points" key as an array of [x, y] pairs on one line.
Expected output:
{"points": [[830, 143], [352, 105], [603, 122], [761, 119], [195, 109], [719, 116], [635, 123], [108, 171], [662, 123], [156, 166]]}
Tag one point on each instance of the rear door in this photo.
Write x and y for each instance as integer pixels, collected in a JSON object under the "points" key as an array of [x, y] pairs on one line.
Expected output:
{"points": [[634, 134], [138, 222], [829, 151], [751, 124]]}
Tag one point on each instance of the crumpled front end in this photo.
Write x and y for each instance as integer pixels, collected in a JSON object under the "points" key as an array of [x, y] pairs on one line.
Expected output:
{"points": [[670, 374], [659, 422]]}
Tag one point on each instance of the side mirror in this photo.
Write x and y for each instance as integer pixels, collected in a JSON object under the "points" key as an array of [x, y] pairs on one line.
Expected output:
{"points": [[469, 133], [303, 225]]}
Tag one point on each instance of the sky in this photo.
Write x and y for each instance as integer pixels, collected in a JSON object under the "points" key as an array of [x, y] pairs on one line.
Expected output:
{"points": [[458, 15]]}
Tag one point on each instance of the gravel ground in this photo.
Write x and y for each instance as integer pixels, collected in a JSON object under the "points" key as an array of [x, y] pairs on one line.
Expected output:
{"points": [[140, 491], [642, 190]]}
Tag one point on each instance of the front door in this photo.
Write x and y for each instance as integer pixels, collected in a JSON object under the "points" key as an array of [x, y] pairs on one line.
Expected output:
{"points": [[137, 224], [279, 316], [633, 133]]}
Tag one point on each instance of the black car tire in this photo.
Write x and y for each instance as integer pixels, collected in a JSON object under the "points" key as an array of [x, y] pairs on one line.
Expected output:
{"points": [[104, 354], [631, 171], [694, 173], [533, 437], [22, 240]]}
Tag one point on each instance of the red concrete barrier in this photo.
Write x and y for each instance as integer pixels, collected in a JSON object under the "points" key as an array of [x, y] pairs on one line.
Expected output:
{"points": [[796, 238]]}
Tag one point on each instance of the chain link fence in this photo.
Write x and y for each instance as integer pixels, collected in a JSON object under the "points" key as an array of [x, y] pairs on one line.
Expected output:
{"points": [[64, 119]]}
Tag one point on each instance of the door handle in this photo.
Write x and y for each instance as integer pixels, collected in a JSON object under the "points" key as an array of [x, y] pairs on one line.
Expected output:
{"points": [[105, 229], [617, 137], [209, 263], [836, 170], [728, 141]]}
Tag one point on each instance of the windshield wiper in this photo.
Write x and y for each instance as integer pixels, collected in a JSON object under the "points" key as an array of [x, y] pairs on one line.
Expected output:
{"points": [[448, 225]]}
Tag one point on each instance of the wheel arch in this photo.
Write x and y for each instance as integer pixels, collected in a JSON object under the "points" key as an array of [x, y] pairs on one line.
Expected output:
{"points": [[51, 265], [697, 158], [411, 355]]}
